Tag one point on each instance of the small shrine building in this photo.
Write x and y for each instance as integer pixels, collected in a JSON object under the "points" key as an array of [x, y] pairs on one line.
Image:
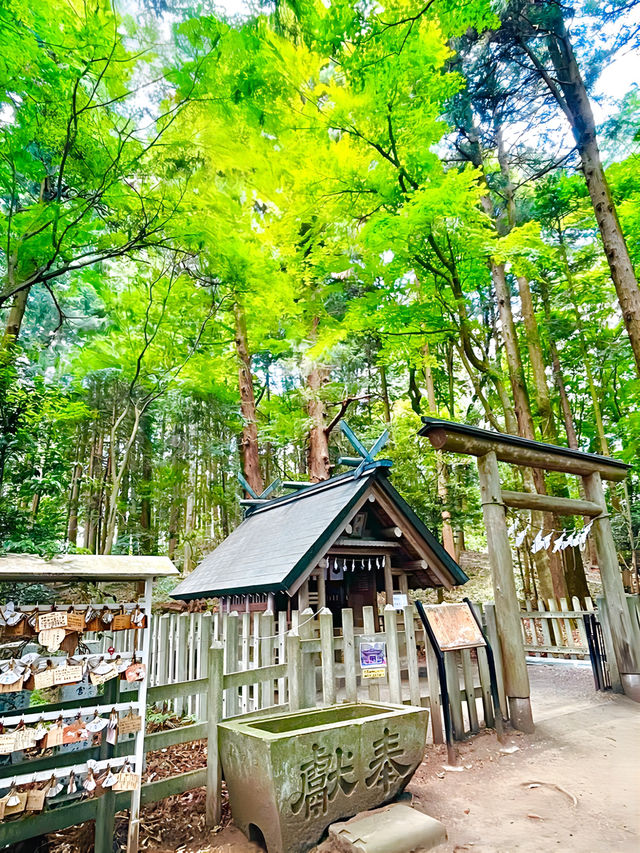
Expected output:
{"points": [[335, 544]]}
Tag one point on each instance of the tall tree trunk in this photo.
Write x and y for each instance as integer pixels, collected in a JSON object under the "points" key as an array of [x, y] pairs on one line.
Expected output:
{"points": [[318, 463], [586, 357], [536, 360], [95, 495], [249, 455], [146, 538], [568, 87], [441, 466], [567, 413], [384, 393], [550, 576], [72, 525], [15, 318], [117, 469]]}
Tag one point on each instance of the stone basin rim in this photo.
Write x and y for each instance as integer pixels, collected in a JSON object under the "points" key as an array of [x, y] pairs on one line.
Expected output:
{"points": [[250, 726]]}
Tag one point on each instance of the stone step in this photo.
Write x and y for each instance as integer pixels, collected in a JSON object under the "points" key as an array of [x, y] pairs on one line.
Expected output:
{"points": [[397, 828]]}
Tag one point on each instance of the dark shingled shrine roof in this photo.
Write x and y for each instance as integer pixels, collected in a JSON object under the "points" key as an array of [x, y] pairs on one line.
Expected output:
{"points": [[284, 538]]}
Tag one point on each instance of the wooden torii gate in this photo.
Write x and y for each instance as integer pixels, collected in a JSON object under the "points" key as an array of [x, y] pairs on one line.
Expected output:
{"points": [[491, 448]]}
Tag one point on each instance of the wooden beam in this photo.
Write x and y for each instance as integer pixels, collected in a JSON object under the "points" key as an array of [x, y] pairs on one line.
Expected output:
{"points": [[624, 633], [506, 599], [391, 532], [550, 503], [545, 456], [303, 596]]}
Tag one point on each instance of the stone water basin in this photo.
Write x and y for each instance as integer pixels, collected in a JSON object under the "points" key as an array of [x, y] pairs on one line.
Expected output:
{"points": [[291, 775]]}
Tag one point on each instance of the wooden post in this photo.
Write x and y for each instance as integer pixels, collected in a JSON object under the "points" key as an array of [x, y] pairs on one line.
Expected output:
{"points": [[326, 647], [245, 657], [393, 655], [624, 634], [203, 661], [614, 672], [370, 629], [266, 656], [403, 580], [106, 807], [230, 634], [412, 653], [322, 589], [469, 689], [388, 579], [349, 654], [134, 814], [435, 700], [504, 590], [213, 803], [282, 653], [306, 632], [455, 696], [294, 671]]}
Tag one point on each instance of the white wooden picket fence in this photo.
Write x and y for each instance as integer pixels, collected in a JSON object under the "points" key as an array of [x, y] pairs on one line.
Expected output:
{"points": [[554, 628], [323, 661]]}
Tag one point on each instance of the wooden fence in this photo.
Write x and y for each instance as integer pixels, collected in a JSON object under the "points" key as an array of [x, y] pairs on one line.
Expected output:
{"points": [[556, 628], [220, 666], [328, 660]]}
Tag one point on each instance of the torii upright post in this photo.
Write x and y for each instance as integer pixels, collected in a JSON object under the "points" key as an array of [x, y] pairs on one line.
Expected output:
{"points": [[516, 677]]}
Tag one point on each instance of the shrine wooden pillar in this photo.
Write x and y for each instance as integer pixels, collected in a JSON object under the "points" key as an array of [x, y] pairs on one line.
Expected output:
{"points": [[507, 611], [624, 632]]}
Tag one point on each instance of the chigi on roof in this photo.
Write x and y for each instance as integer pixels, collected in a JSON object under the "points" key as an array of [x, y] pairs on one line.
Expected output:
{"points": [[336, 543]]}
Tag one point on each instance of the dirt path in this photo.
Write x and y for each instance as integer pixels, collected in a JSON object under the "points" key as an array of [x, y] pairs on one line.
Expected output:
{"points": [[586, 744]]}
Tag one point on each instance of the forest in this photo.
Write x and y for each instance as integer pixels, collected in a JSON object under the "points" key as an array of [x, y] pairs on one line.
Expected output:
{"points": [[225, 230]]}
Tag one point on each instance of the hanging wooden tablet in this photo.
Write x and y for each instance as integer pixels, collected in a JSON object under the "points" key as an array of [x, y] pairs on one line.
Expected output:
{"points": [[17, 629], [24, 739], [7, 743], [54, 619], [135, 672], [126, 781], [54, 735], [14, 803], [11, 687], [129, 724], [35, 799], [92, 621], [102, 673], [74, 732], [138, 618], [70, 643], [68, 674], [29, 682], [51, 638], [75, 621], [112, 729], [106, 619], [43, 679], [121, 622]]}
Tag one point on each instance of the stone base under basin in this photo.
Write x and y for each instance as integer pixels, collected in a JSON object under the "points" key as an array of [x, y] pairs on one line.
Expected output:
{"points": [[398, 828]]}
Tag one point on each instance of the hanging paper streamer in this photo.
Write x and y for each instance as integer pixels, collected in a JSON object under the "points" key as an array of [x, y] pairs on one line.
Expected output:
{"points": [[544, 538]]}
